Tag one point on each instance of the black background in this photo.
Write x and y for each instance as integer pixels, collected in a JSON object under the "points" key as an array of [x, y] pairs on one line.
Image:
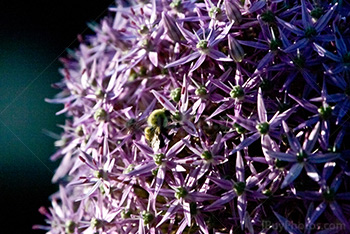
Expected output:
{"points": [[33, 35]]}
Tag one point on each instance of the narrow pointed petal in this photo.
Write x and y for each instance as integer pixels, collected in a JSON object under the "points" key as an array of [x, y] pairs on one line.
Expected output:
{"points": [[225, 106], [193, 149], [336, 182], [276, 120], [265, 60], [153, 57], [314, 216], [339, 42], [164, 101], [343, 196], [235, 49], [187, 34], [293, 173], [187, 212], [305, 104], [174, 206], [242, 206], [289, 80], [170, 25], [201, 197], [221, 86], [290, 27], [204, 167], [225, 198], [306, 19], [201, 223], [323, 21], [222, 35], [256, 45], [337, 211], [159, 180], [312, 139], [217, 143], [246, 142], [222, 183], [239, 167], [198, 62], [286, 43], [323, 52], [182, 226], [91, 191], [257, 6], [184, 95], [261, 107], [246, 123], [176, 148], [200, 111], [327, 171], [143, 169], [189, 127], [300, 44], [293, 141], [145, 149], [288, 226], [184, 60], [219, 56], [282, 156], [312, 172]]}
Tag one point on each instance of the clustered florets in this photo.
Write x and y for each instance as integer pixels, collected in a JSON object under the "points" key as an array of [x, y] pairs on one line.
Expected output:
{"points": [[207, 116]]}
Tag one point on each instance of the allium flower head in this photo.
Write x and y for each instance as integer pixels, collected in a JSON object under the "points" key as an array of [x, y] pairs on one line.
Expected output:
{"points": [[206, 117]]}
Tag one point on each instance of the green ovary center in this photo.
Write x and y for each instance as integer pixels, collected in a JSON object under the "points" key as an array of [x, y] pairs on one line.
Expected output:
{"points": [[239, 188], [158, 159], [310, 32], [207, 155], [181, 193], [301, 156], [325, 112], [237, 92], [263, 128], [202, 45]]}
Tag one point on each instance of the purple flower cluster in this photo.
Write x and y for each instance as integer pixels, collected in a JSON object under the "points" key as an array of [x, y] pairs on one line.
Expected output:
{"points": [[190, 116]]}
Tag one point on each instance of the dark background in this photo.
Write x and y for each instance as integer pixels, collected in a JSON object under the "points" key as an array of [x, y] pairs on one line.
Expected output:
{"points": [[33, 35]]}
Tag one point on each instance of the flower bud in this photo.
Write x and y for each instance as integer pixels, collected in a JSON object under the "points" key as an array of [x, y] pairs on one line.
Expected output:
{"points": [[215, 12], [237, 92], [79, 131], [181, 193], [101, 174], [70, 226], [158, 159], [176, 4], [325, 112], [201, 91], [235, 49], [170, 27], [301, 156], [263, 128], [176, 94], [206, 155], [96, 223], [100, 115], [125, 214], [233, 12], [239, 188], [147, 217], [202, 45], [129, 169]]}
